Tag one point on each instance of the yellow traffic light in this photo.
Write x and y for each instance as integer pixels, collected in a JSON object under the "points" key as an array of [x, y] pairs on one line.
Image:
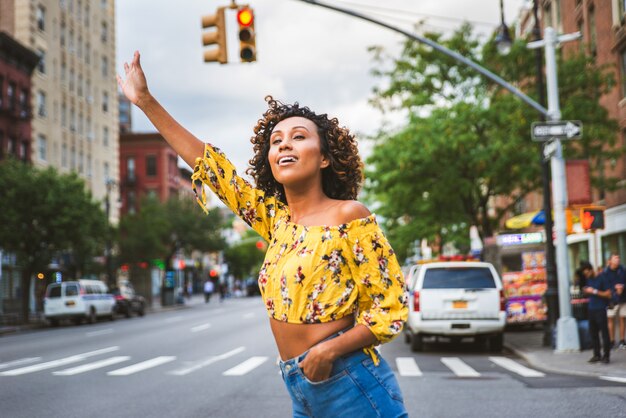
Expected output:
{"points": [[215, 37], [247, 36]]}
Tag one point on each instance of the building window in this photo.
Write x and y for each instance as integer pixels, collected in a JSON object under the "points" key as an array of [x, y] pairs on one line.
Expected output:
{"points": [[105, 102], [87, 53], [24, 103], [73, 159], [64, 115], [132, 201], [81, 167], [104, 32], [130, 168], [63, 34], [103, 4], [87, 14], [42, 147], [72, 119], [89, 130], [40, 15], [80, 123], [41, 65], [79, 87], [105, 66], [11, 96], [79, 49], [63, 71], [105, 171], [23, 152], [64, 155], [72, 79], [89, 167], [105, 136], [41, 104], [151, 165], [593, 41]]}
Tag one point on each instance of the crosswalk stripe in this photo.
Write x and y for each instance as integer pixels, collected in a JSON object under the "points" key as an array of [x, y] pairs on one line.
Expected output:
{"points": [[56, 363], [614, 379], [459, 367], [246, 366], [515, 367], [202, 327], [144, 365], [408, 367], [91, 366], [19, 362], [210, 360]]}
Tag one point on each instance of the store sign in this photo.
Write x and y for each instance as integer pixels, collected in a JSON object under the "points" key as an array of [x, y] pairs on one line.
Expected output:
{"points": [[520, 239]]}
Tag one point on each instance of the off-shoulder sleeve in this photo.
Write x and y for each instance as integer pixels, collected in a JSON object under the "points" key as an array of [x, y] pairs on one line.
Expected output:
{"points": [[382, 300], [249, 203]]}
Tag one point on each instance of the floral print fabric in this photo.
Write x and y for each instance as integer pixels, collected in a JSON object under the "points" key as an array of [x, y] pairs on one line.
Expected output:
{"points": [[313, 274]]}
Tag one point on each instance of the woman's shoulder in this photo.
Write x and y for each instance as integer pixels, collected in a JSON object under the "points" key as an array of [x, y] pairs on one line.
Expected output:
{"points": [[350, 210]]}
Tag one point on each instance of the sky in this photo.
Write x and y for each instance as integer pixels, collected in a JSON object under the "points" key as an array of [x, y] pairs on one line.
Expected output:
{"points": [[305, 53]]}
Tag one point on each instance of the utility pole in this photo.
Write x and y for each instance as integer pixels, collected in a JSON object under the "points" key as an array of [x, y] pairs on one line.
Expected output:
{"points": [[567, 330], [109, 183]]}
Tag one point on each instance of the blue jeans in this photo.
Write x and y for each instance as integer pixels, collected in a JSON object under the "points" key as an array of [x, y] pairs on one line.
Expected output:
{"points": [[356, 387]]}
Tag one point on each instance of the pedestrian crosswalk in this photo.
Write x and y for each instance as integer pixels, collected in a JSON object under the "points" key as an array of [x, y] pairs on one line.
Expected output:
{"points": [[236, 363]]}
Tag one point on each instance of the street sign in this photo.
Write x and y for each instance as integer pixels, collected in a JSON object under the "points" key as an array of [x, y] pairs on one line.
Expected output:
{"points": [[549, 149], [564, 129]]}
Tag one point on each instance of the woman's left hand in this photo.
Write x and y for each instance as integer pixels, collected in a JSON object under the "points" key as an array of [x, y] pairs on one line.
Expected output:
{"points": [[317, 365]]}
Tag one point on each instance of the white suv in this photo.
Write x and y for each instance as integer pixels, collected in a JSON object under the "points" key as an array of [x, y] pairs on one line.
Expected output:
{"points": [[455, 299], [78, 300]]}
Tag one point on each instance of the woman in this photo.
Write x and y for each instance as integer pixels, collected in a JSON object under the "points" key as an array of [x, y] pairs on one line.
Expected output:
{"points": [[331, 283]]}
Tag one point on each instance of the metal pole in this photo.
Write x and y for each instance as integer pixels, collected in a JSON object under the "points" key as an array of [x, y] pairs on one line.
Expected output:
{"points": [[108, 244], [567, 330], [551, 295]]}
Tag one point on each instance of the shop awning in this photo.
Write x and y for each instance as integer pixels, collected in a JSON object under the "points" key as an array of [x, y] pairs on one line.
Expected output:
{"points": [[525, 220]]}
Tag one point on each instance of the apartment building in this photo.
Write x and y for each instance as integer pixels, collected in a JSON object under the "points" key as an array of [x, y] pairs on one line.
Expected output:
{"points": [[74, 92]]}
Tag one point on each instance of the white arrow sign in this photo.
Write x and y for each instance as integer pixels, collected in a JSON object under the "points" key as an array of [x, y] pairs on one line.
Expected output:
{"points": [[567, 129]]}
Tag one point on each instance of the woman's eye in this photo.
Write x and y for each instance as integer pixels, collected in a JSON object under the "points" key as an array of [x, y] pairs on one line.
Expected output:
{"points": [[298, 137], [275, 141]]}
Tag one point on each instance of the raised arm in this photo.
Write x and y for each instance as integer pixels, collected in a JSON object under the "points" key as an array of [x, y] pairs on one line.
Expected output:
{"points": [[135, 88]]}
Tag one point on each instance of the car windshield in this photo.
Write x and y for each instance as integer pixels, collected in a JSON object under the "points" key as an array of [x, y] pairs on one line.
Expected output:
{"points": [[458, 278]]}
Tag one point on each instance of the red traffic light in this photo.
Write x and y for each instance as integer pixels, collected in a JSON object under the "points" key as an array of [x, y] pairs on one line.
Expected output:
{"points": [[245, 17], [213, 273]]}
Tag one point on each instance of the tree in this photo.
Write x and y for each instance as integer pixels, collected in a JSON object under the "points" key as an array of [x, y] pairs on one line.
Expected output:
{"points": [[244, 258], [43, 214], [465, 140]]}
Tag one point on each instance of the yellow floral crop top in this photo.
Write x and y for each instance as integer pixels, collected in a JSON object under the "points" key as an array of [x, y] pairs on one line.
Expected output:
{"points": [[313, 274]]}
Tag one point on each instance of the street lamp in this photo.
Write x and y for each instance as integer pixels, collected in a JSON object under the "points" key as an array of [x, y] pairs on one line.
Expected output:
{"points": [[503, 38]]}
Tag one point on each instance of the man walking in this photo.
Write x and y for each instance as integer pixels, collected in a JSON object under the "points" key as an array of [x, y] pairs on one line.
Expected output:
{"points": [[599, 291], [616, 276], [208, 290]]}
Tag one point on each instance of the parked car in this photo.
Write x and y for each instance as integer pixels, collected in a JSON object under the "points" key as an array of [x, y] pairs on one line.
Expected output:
{"points": [[78, 300], [127, 301], [455, 299]]}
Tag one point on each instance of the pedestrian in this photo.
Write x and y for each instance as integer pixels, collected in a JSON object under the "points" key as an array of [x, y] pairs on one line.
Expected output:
{"points": [[330, 281], [617, 309], [208, 290], [599, 291]]}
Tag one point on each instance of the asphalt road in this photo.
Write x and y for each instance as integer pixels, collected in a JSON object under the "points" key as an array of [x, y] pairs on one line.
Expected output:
{"points": [[219, 360]]}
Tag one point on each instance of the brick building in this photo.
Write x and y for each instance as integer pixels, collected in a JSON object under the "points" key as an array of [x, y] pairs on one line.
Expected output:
{"points": [[16, 67]]}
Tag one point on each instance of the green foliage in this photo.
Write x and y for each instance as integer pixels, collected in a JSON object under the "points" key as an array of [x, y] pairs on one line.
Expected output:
{"points": [[43, 214], [466, 140], [244, 258]]}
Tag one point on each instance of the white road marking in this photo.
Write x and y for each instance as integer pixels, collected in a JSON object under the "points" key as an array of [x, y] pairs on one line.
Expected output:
{"points": [[101, 332], [173, 319], [408, 367], [210, 360], [91, 366], [245, 367], [144, 365], [614, 379], [459, 367], [249, 315], [19, 362], [56, 363], [515, 367], [202, 327]]}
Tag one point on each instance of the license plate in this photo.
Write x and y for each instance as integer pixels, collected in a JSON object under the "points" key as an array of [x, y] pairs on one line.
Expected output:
{"points": [[459, 304]]}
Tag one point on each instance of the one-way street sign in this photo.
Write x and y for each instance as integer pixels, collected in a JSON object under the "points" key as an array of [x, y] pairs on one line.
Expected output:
{"points": [[564, 129]]}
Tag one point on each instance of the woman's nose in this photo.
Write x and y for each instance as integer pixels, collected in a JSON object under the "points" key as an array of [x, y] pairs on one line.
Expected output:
{"points": [[284, 144]]}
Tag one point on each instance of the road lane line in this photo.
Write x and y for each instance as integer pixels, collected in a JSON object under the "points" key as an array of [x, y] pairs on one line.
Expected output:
{"points": [[210, 360], [19, 362], [101, 332], [173, 319], [459, 367], [515, 367], [248, 315], [408, 367], [91, 366], [202, 327], [245, 367], [614, 379], [56, 363], [144, 365]]}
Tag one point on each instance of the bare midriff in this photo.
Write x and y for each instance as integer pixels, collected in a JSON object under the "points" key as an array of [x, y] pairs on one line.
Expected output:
{"points": [[294, 339]]}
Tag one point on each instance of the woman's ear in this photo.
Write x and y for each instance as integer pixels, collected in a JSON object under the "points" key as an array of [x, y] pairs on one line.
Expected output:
{"points": [[325, 161]]}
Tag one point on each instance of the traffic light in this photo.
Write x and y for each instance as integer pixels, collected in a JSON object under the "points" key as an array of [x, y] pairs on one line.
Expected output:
{"points": [[592, 217], [215, 37], [247, 37]]}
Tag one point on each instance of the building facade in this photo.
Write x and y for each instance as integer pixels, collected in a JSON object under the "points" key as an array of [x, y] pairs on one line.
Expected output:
{"points": [[74, 91], [16, 67]]}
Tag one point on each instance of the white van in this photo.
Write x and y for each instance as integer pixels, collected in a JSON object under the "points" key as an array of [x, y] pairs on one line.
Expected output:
{"points": [[455, 299], [78, 300]]}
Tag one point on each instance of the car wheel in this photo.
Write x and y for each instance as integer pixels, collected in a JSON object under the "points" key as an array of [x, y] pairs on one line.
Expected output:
{"points": [[495, 343], [92, 316], [142, 310], [417, 342]]}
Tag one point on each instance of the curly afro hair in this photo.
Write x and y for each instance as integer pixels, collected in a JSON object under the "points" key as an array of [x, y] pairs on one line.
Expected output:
{"points": [[340, 180]]}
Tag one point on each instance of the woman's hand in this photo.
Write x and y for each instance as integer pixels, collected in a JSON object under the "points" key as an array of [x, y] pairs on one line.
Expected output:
{"points": [[135, 87], [318, 364]]}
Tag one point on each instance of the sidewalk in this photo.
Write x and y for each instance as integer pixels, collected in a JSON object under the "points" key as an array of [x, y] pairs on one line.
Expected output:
{"points": [[529, 346]]}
